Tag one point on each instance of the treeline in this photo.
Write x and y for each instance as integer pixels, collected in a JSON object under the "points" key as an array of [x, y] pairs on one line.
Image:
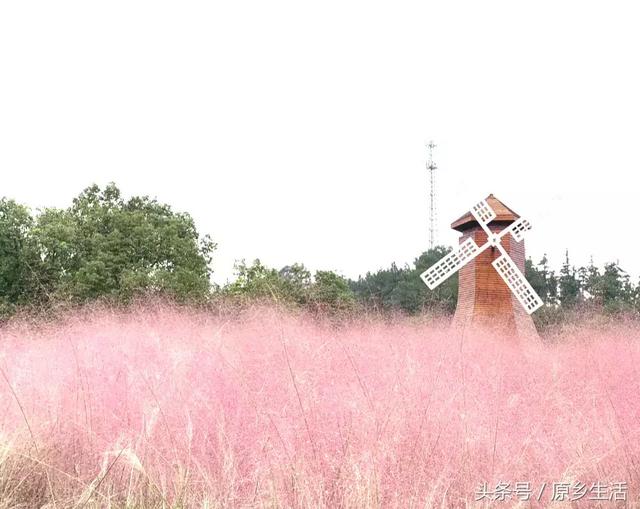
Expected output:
{"points": [[106, 248], [587, 289], [570, 292], [103, 247], [401, 289], [609, 288]]}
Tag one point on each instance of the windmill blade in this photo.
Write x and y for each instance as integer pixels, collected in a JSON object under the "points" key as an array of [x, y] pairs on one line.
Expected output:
{"points": [[517, 229], [483, 213], [517, 283], [437, 273]]}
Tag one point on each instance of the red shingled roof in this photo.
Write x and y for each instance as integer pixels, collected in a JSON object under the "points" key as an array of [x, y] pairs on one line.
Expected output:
{"points": [[503, 212]]}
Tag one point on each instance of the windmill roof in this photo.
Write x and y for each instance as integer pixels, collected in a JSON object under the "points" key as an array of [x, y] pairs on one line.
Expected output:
{"points": [[503, 213]]}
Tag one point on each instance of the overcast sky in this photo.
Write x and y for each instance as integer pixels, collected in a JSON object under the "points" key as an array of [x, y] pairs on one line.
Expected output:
{"points": [[295, 131]]}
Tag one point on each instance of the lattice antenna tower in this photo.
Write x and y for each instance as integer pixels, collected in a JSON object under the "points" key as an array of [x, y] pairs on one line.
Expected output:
{"points": [[433, 211]]}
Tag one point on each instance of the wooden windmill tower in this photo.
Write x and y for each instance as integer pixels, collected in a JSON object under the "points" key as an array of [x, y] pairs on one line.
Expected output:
{"points": [[492, 290]]}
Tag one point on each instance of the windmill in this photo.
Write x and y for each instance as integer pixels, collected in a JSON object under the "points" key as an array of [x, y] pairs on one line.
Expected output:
{"points": [[492, 289]]}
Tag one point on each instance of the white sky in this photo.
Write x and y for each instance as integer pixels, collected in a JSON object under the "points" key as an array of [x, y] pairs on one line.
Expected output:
{"points": [[295, 131]]}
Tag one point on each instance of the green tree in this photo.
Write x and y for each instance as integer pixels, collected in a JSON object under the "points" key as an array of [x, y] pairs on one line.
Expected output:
{"points": [[296, 282], [376, 290], [331, 292], [616, 292], [19, 258], [292, 284], [590, 283], [445, 296], [542, 279], [568, 284], [403, 289], [255, 281], [636, 297], [289, 285], [610, 289], [105, 246]]}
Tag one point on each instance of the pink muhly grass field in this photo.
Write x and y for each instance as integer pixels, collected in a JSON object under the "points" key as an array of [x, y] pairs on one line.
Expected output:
{"points": [[170, 408]]}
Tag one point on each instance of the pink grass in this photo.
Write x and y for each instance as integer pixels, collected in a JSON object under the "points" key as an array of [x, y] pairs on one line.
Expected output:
{"points": [[167, 408]]}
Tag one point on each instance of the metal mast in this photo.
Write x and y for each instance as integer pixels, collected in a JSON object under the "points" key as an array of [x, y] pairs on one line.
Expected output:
{"points": [[433, 216]]}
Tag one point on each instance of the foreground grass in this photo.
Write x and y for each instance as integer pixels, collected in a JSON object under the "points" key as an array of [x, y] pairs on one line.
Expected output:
{"points": [[167, 408]]}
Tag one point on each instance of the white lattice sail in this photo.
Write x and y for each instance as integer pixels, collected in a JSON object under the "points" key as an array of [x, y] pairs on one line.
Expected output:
{"points": [[518, 229], [517, 283], [437, 273], [483, 212]]}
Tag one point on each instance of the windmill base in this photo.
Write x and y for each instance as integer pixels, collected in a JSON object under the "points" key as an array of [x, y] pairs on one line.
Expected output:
{"points": [[512, 328]]}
